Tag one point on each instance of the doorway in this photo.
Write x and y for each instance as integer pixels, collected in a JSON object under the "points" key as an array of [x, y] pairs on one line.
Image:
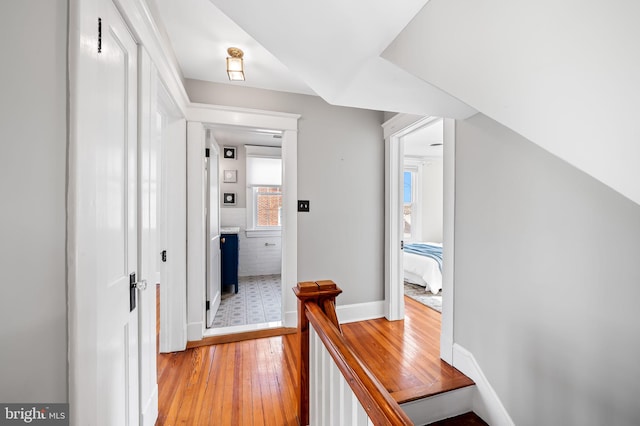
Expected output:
{"points": [[200, 119], [394, 130], [422, 214], [245, 229]]}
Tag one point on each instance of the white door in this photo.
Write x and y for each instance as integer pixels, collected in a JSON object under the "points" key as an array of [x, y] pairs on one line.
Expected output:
{"points": [[173, 227], [213, 236], [116, 220], [148, 246]]}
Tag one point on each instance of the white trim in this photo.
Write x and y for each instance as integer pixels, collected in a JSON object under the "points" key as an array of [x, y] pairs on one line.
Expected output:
{"points": [[221, 331], [360, 311], [149, 413], [399, 122], [394, 130], [289, 221], [448, 236], [149, 148], [141, 22], [195, 331], [394, 304], [196, 230], [346, 313], [486, 403], [205, 115], [173, 230], [442, 406], [245, 117]]}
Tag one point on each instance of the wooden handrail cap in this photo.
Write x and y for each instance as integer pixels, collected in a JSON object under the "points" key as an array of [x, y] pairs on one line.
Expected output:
{"points": [[326, 285], [307, 287], [310, 289]]}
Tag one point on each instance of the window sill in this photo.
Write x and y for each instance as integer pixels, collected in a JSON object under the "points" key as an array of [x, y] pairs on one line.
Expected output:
{"points": [[258, 233]]}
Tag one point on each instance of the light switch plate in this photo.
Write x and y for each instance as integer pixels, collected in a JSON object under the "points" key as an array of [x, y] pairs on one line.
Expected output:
{"points": [[303, 205]]}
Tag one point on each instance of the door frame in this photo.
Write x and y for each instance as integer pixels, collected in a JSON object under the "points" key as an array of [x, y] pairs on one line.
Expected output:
{"points": [[213, 245], [200, 116], [394, 129], [81, 248]]}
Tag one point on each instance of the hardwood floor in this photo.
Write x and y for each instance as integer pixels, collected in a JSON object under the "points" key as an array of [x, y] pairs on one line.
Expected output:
{"points": [[405, 355], [253, 382]]}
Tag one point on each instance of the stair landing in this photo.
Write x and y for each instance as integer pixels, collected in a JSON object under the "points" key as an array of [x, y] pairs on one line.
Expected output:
{"points": [[405, 355]]}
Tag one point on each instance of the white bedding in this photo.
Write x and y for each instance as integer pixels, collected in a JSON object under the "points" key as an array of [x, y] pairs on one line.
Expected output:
{"points": [[423, 271]]}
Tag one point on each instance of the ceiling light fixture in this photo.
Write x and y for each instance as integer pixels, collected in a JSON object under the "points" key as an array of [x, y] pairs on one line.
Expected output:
{"points": [[235, 66]]}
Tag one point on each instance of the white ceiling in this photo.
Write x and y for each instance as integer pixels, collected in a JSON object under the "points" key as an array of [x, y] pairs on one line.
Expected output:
{"points": [[426, 141], [200, 35], [330, 48]]}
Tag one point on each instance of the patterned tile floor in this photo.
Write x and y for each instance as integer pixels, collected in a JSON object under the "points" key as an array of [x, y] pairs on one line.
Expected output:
{"points": [[258, 300]]}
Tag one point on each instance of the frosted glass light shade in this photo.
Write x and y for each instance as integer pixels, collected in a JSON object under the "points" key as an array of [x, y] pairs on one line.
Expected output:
{"points": [[235, 69]]}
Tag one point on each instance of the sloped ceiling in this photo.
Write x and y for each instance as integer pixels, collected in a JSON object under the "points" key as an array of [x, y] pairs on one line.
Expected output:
{"points": [[330, 48], [562, 74], [565, 75]]}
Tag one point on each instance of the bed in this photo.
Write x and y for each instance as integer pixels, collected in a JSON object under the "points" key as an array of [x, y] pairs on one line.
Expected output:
{"points": [[423, 265]]}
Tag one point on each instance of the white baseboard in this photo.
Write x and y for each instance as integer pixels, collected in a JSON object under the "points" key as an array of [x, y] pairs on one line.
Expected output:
{"points": [[150, 411], [360, 311], [486, 403], [346, 313], [439, 407], [290, 319], [446, 349], [195, 331]]}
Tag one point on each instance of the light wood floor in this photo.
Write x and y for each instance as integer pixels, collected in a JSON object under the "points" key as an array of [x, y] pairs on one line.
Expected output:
{"points": [[254, 382]]}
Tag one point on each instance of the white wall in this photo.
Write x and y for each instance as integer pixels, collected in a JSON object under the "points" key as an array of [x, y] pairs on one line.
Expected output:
{"points": [[258, 255], [562, 74], [33, 158], [547, 277], [341, 172], [240, 186], [432, 191]]}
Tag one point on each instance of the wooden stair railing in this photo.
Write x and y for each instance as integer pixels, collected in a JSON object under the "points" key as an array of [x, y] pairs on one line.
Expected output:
{"points": [[316, 305]]}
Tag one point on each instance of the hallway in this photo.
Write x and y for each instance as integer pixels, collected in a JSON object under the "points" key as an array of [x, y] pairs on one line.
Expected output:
{"points": [[254, 382]]}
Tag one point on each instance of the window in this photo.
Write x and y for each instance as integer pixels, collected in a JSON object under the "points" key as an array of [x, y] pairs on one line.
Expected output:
{"points": [[268, 206], [412, 196], [408, 203], [264, 194]]}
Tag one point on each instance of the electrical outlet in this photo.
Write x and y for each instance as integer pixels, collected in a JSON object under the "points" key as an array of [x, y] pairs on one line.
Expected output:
{"points": [[303, 205]]}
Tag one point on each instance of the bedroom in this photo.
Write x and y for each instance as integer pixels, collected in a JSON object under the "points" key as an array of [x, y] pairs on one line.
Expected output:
{"points": [[422, 213]]}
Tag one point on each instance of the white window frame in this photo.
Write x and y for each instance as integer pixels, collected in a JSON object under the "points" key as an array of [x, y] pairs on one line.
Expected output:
{"points": [[253, 230], [415, 166], [252, 214]]}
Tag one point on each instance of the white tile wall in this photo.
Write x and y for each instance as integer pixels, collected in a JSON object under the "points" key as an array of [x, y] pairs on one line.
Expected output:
{"points": [[258, 256]]}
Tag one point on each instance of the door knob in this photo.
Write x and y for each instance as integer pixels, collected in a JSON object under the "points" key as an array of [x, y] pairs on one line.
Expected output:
{"points": [[140, 285], [222, 240]]}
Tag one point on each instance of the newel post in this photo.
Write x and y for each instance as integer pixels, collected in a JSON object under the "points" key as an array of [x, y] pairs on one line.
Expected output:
{"points": [[323, 293]]}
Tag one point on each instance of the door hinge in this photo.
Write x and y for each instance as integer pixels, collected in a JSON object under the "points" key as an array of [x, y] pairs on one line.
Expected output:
{"points": [[99, 35], [163, 255], [206, 152], [208, 305], [401, 245]]}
